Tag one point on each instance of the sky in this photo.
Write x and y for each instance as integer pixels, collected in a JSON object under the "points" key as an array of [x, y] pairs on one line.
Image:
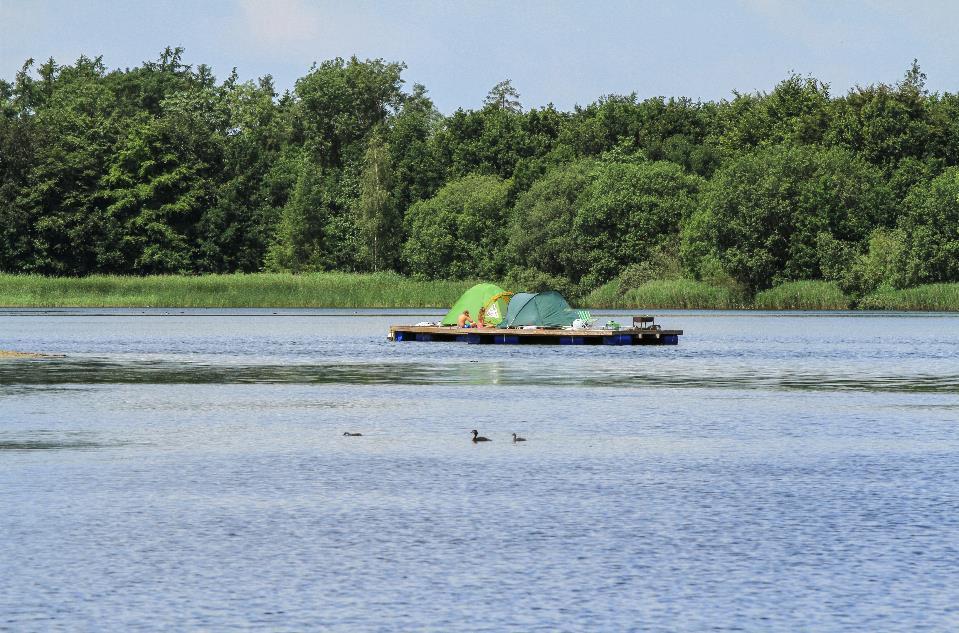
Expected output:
{"points": [[559, 52]]}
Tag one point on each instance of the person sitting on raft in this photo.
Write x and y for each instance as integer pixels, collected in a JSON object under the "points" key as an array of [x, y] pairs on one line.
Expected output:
{"points": [[464, 320], [481, 318]]}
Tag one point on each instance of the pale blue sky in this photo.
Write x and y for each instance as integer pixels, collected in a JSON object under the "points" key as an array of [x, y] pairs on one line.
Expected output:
{"points": [[560, 52]]}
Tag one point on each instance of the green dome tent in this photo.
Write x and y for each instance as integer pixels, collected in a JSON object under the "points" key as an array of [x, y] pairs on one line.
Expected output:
{"points": [[545, 309], [489, 296]]}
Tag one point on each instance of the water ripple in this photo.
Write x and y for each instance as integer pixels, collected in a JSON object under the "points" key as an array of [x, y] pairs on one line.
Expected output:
{"points": [[93, 371]]}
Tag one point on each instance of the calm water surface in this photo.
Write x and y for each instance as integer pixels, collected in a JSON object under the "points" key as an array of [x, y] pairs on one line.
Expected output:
{"points": [[187, 470]]}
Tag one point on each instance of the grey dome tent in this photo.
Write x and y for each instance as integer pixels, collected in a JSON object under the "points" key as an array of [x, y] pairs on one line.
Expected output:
{"points": [[545, 309]]}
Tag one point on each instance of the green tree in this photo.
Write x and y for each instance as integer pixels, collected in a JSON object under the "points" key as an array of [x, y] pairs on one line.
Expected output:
{"points": [[881, 265], [378, 222], [298, 243], [503, 96], [337, 106], [541, 234], [630, 211], [458, 233], [418, 171], [163, 180], [761, 215], [931, 225], [589, 220], [252, 183], [159, 168], [885, 124], [679, 130], [17, 155], [341, 101], [796, 112], [943, 112], [488, 141], [61, 206]]}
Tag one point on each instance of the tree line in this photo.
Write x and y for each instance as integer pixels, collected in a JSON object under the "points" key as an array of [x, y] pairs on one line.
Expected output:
{"points": [[164, 169]]}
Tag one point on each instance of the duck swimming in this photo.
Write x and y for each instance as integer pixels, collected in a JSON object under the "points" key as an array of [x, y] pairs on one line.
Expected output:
{"points": [[518, 439], [348, 434], [479, 438]]}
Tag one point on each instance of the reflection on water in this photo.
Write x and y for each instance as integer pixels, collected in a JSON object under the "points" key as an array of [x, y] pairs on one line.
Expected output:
{"points": [[40, 445], [44, 440], [423, 372], [770, 473]]}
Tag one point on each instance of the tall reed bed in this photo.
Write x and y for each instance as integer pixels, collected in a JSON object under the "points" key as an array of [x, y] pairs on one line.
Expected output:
{"points": [[314, 290], [389, 290], [929, 297], [803, 295], [666, 293]]}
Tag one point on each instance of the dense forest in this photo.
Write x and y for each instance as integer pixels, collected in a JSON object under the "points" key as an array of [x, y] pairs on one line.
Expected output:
{"points": [[164, 169]]}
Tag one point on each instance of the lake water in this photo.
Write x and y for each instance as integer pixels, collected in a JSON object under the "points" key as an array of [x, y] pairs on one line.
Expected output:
{"points": [[188, 470]]}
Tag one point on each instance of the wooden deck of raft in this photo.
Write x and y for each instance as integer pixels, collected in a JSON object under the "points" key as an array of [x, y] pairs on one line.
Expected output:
{"points": [[542, 336]]}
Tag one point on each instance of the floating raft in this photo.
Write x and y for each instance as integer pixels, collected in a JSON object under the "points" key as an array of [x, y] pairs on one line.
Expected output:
{"points": [[539, 336]]}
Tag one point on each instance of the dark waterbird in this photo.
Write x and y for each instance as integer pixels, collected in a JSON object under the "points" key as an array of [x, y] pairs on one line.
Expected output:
{"points": [[479, 438], [518, 439], [348, 434]]}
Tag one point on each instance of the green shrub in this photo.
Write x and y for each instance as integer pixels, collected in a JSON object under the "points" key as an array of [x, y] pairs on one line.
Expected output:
{"points": [[531, 280], [607, 296]]}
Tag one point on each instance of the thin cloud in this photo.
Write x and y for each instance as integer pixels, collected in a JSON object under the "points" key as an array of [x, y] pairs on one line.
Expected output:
{"points": [[816, 27], [282, 25]]}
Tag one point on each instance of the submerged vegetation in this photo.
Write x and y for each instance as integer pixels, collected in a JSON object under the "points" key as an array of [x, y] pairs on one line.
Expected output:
{"points": [[791, 198]]}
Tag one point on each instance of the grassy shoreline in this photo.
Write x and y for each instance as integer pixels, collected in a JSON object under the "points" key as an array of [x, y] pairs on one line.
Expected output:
{"points": [[259, 290], [389, 290]]}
